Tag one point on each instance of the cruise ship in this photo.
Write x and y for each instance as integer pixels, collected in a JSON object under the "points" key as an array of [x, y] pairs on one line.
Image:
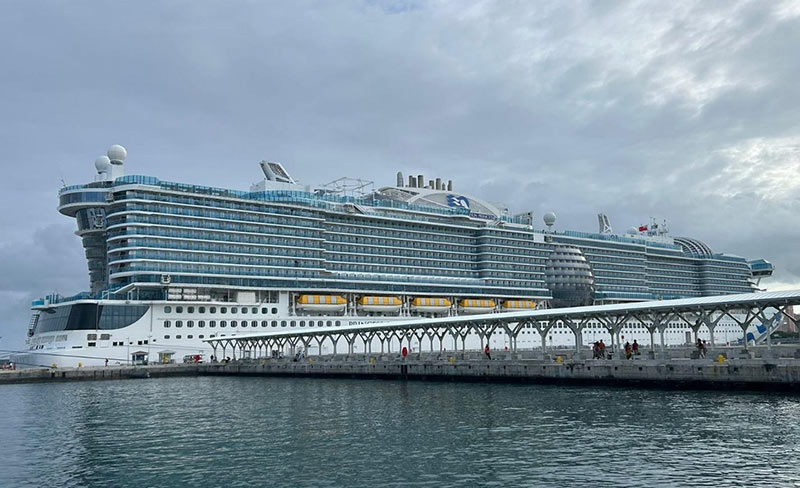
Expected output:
{"points": [[172, 264]]}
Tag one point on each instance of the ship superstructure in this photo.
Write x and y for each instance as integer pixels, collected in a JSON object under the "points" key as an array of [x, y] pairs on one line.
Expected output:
{"points": [[171, 264]]}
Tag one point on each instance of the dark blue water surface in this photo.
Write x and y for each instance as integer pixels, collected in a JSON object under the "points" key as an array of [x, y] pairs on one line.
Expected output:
{"points": [[231, 432]]}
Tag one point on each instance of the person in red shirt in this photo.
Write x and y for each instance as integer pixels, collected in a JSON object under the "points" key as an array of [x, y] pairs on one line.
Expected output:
{"points": [[487, 352]]}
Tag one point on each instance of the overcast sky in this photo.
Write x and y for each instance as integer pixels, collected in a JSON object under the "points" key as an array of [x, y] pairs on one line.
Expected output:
{"points": [[680, 110]]}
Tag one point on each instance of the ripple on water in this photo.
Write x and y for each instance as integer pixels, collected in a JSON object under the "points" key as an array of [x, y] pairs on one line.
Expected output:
{"points": [[310, 432]]}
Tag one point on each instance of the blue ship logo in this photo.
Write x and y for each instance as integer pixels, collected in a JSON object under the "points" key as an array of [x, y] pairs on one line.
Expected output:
{"points": [[458, 201]]}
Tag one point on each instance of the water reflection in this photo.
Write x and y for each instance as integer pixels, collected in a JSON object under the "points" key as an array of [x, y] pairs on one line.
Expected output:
{"points": [[314, 432]]}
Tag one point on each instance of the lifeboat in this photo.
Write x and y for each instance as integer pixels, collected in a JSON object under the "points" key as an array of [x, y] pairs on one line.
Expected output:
{"points": [[380, 304], [425, 304], [321, 303], [476, 305], [519, 305]]}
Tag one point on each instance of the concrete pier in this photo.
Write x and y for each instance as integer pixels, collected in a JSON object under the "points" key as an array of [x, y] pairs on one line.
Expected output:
{"points": [[52, 375], [739, 374], [763, 374]]}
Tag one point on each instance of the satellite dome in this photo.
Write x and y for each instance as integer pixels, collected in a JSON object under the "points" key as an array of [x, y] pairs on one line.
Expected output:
{"points": [[117, 153], [633, 230], [102, 164], [549, 219]]}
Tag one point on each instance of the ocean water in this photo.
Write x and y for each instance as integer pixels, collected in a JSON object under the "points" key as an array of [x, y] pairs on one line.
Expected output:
{"points": [[298, 432]]}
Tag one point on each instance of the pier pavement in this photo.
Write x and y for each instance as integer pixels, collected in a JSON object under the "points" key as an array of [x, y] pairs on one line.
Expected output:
{"points": [[714, 372]]}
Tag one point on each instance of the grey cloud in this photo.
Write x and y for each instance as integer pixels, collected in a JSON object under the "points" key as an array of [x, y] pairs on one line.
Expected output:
{"points": [[622, 107]]}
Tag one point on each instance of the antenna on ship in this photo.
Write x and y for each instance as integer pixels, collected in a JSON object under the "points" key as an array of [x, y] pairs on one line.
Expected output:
{"points": [[605, 224]]}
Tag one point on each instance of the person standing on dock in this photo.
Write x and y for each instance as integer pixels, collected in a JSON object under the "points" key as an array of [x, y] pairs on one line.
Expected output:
{"points": [[628, 350], [487, 352], [635, 347]]}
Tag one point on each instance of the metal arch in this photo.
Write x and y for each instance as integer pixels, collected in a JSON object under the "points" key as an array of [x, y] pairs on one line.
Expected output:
{"points": [[613, 317]]}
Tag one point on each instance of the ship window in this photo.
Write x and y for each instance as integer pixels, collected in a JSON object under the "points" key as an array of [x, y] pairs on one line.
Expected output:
{"points": [[234, 323], [202, 323], [139, 343], [264, 310], [223, 310], [91, 344], [177, 336], [166, 323], [91, 337], [222, 323], [292, 323], [263, 323], [302, 323], [179, 323], [213, 323], [167, 309], [330, 323], [103, 337], [274, 323], [234, 310], [254, 323], [202, 310], [166, 337], [244, 310], [244, 323], [338, 323], [190, 310], [254, 310], [283, 323], [178, 309], [213, 310], [190, 323], [201, 336], [274, 310], [189, 336]]}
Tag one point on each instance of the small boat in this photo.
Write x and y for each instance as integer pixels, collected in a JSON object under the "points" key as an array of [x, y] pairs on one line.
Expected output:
{"points": [[511, 305], [476, 305], [425, 304], [321, 303], [379, 304]]}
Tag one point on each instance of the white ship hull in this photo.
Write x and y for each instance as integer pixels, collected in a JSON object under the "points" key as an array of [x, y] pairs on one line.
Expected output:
{"points": [[172, 336]]}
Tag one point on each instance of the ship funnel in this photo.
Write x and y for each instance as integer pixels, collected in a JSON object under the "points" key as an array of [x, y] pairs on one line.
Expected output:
{"points": [[399, 179]]}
